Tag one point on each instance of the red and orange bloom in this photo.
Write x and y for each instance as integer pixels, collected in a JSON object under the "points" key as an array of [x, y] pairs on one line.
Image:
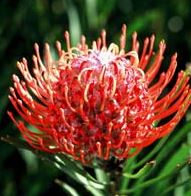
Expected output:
{"points": [[98, 102]]}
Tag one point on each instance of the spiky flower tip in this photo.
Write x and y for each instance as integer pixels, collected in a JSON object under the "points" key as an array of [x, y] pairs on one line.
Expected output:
{"points": [[98, 102]]}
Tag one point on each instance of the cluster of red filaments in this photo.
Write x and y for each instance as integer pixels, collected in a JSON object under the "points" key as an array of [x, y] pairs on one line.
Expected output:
{"points": [[98, 102]]}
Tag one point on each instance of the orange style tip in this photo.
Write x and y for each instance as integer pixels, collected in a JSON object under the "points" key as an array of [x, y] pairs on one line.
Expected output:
{"points": [[103, 32], [46, 46], [10, 97], [83, 38], [122, 37], [64, 140], [58, 44], [61, 109], [34, 57], [66, 34], [18, 64], [175, 54], [20, 102], [82, 152], [98, 144], [24, 60], [174, 57], [152, 37], [9, 113], [11, 89], [146, 41], [162, 43], [124, 27], [181, 72], [163, 74], [134, 34], [23, 83], [36, 46], [15, 78], [123, 132], [98, 39]]}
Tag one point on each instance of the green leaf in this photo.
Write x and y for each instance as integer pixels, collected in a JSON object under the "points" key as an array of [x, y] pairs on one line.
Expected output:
{"points": [[101, 175], [151, 153], [126, 176], [62, 162], [180, 155], [67, 188], [188, 193], [172, 187], [144, 20], [128, 165], [74, 22], [16, 142], [30, 159], [91, 12], [173, 142], [156, 180], [77, 172], [80, 175], [143, 171]]}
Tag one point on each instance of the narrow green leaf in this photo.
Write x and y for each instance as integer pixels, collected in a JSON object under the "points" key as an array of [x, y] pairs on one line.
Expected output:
{"points": [[67, 188], [101, 175], [94, 191], [70, 167], [188, 193], [128, 165], [157, 179], [91, 186], [78, 173], [151, 153], [143, 171], [91, 12], [143, 20], [173, 142], [180, 155], [172, 187], [16, 142], [105, 8], [74, 22], [30, 159]]}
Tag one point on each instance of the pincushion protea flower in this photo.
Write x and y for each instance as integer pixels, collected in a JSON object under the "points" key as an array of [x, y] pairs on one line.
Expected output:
{"points": [[98, 102]]}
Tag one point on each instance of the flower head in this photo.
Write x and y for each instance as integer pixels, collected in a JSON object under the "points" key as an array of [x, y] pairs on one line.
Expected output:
{"points": [[98, 102]]}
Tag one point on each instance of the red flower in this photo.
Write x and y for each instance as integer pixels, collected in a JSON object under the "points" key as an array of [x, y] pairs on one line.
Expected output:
{"points": [[100, 101]]}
